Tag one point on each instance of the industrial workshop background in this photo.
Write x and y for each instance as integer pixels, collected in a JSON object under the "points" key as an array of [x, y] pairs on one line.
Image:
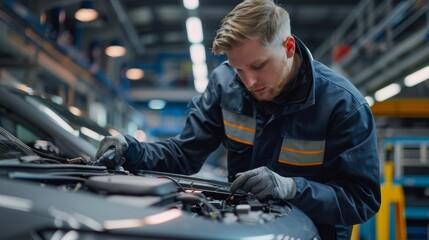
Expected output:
{"points": [[133, 66]]}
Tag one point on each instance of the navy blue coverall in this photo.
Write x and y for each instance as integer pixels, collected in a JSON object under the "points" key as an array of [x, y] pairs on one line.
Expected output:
{"points": [[320, 131]]}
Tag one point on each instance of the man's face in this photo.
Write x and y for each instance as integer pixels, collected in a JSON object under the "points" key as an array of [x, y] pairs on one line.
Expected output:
{"points": [[263, 70]]}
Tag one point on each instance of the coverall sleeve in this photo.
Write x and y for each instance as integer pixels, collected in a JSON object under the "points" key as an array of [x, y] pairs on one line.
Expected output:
{"points": [[351, 195], [186, 152]]}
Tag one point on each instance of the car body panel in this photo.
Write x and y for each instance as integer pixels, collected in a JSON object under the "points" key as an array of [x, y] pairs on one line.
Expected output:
{"points": [[18, 116]]}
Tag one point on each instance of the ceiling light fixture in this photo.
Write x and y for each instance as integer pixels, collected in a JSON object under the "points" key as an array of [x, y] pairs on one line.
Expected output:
{"points": [[417, 77], [191, 4], [194, 29], [115, 50], [387, 92], [134, 73], [86, 13]]}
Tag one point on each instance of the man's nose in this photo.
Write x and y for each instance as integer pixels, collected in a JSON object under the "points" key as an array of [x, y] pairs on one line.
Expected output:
{"points": [[250, 79]]}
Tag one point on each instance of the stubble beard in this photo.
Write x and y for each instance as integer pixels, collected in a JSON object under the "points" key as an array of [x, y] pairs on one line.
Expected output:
{"points": [[272, 91], [286, 79]]}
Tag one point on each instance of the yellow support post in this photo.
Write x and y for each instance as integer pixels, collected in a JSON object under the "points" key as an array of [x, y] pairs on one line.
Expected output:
{"points": [[355, 233], [392, 195]]}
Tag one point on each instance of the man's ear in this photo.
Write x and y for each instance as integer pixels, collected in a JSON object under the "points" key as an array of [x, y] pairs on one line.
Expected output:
{"points": [[289, 45]]}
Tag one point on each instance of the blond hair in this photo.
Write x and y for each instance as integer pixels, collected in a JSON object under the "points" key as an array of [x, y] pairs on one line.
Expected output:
{"points": [[252, 19]]}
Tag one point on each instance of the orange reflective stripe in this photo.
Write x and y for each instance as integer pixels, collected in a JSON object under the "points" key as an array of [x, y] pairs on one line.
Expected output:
{"points": [[239, 126], [300, 164], [302, 151], [239, 140], [299, 152]]}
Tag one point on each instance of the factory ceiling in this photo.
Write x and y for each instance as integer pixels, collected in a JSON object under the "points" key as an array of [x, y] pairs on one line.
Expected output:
{"points": [[151, 27], [154, 34]]}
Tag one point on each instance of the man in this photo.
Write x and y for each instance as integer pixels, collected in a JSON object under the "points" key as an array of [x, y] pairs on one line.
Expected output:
{"points": [[293, 128]]}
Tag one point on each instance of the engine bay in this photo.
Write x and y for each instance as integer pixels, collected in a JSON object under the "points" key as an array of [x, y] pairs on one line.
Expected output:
{"points": [[75, 188]]}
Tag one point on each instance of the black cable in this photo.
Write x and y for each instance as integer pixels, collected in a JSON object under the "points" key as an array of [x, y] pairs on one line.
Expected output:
{"points": [[77, 160], [176, 182], [196, 198], [42, 160], [189, 196]]}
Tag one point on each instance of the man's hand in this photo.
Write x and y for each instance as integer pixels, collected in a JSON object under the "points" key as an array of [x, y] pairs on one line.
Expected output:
{"points": [[110, 152], [265, 183]]}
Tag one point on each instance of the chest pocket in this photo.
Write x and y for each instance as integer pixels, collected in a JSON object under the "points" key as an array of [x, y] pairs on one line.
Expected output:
{"points": [[239, 128], [302, 153]]}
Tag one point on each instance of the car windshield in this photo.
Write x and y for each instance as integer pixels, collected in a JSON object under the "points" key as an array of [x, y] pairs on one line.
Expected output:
{"points": [[76, 125], [52, 114]]}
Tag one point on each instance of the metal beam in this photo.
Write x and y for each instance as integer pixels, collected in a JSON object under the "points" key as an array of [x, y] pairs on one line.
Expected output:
{"points": [[175, 95], [128, 26]]}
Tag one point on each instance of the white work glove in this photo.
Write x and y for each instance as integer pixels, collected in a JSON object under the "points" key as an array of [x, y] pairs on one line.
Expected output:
{"points": [[104, 155], [264, 183]]}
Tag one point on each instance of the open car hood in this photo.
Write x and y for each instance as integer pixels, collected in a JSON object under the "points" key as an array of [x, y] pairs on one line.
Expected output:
{"points": [[42, 198]]}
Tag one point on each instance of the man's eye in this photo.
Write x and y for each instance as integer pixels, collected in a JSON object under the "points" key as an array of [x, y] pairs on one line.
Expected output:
{"points": [[258, 67]]}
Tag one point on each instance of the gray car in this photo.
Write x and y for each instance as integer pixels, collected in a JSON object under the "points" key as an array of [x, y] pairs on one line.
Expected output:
{"points": [[52, 198]]}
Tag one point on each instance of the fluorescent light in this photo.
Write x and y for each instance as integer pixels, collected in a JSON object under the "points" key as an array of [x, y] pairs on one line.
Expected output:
{"points": [[200, 84], [156, 104], [194, 29], [198, 53], [200, 76], [191, 4], [387, 92], [369, 100], [417, 77], [200, 70]]}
